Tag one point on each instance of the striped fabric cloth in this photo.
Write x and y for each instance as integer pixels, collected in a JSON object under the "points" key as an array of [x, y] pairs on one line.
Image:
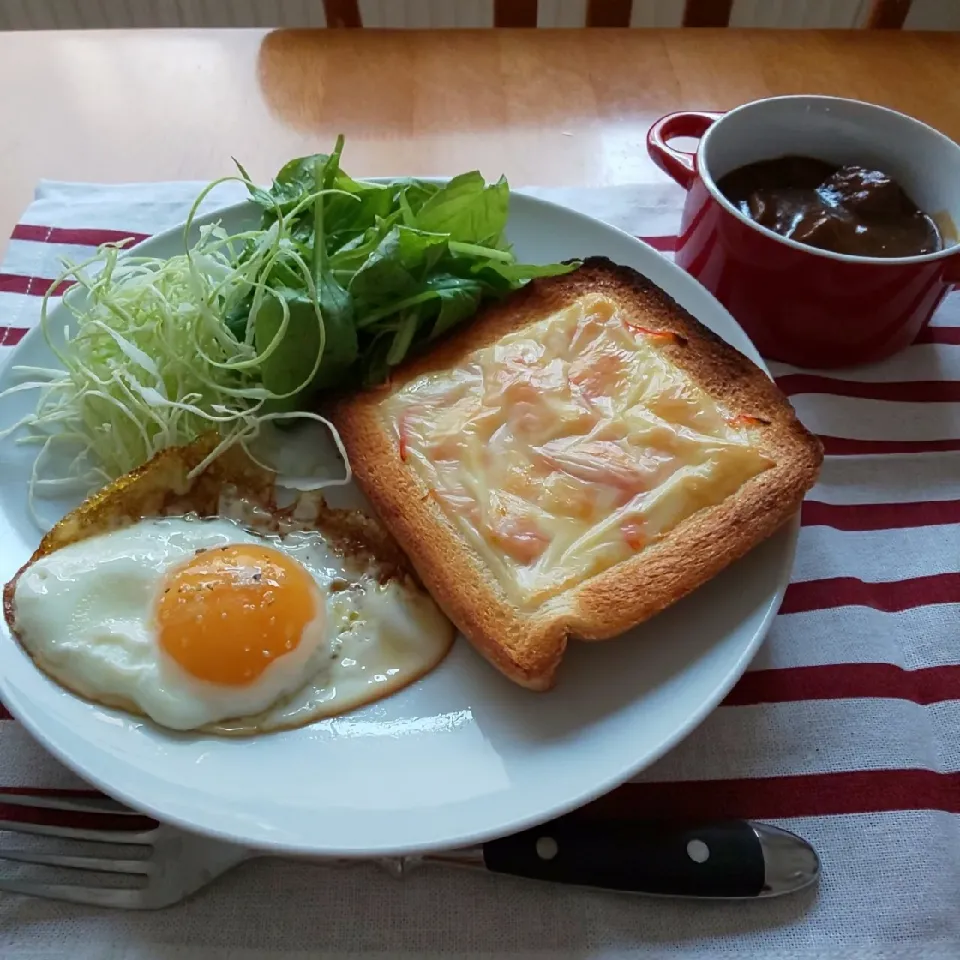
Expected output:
{"points": [[844, 729]]}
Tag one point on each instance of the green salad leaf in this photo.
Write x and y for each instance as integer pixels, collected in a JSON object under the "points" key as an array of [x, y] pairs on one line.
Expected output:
{"points": [[468, 211], [292, 361], [394, 266]]}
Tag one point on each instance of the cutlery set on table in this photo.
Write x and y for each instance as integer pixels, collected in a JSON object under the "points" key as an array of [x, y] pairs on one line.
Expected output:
{"points": [[722, 860]]}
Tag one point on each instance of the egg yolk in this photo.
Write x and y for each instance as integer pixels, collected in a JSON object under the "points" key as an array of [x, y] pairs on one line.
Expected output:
{"points": [[228, 613]]}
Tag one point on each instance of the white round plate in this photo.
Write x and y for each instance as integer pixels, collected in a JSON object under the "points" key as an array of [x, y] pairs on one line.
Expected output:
{"points": [[461, 756]]}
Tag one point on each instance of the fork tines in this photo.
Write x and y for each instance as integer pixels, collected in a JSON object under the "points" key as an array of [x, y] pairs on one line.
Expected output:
{"points": [[83, 817]]}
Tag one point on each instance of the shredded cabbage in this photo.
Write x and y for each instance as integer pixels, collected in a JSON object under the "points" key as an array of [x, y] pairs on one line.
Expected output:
{"points": [[149, 362]]}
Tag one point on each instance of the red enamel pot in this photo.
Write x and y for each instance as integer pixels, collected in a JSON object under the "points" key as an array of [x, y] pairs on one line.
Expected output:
{"points": [[801, 305]]}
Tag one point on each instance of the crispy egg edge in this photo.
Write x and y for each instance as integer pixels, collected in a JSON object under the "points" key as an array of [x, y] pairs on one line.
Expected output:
{"points": [[351, 532]]}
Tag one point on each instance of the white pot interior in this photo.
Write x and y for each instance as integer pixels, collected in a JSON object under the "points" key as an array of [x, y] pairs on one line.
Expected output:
{"points": [[922, 160]]}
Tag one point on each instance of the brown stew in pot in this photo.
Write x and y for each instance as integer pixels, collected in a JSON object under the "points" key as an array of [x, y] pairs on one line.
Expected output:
{"points": [[848, 209]]}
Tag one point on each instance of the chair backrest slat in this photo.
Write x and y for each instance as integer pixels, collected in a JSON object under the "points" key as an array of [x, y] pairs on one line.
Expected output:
{"points": [[707, 13], [515, 13], [609, 13], [888, 14], [342, 13]]}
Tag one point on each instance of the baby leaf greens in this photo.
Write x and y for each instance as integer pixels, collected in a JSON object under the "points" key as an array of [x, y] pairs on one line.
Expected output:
{"points": [[393, 266], [338, 282]]}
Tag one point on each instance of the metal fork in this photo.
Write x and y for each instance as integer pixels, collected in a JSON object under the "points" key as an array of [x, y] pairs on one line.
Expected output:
{"points": [[178, 864]]}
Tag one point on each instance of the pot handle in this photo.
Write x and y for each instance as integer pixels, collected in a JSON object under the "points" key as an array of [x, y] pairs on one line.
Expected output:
{"points": [[679, 165]]}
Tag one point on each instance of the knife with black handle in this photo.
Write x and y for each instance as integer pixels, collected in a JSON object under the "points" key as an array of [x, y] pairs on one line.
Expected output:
{"points": [[729, 859]]}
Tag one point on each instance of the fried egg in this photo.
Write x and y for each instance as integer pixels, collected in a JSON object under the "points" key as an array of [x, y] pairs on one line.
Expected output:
{"points": [[237, 620]]}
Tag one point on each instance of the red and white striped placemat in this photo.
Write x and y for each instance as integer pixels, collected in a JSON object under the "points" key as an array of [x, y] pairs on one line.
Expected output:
{"points": [[844, 730]]}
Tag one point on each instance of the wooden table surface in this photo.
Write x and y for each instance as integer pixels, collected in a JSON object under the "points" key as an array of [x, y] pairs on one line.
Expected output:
{"points": [[544, 107]]}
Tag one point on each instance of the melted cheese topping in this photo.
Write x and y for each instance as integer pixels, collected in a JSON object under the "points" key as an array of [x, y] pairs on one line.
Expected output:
{"points": [[568, 446]]}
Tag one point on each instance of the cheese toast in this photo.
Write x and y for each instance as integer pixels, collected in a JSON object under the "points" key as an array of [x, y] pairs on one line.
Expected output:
{"points": [[579, 457]]}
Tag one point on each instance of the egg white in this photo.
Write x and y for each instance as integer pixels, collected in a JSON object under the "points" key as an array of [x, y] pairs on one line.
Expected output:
{"points": [[86, 615]]}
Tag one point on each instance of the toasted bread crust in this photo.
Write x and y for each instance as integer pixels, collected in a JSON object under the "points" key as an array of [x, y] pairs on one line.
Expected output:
{"points": [[526, 646]]}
